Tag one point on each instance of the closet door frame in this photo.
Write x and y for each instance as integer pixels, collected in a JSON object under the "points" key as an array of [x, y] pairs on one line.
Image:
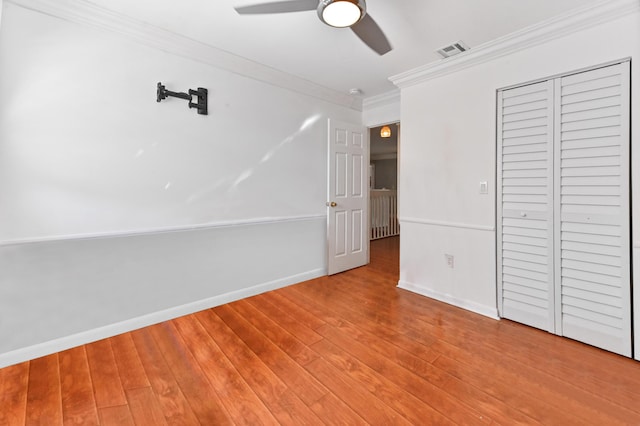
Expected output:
{"points": [[627, 244]]}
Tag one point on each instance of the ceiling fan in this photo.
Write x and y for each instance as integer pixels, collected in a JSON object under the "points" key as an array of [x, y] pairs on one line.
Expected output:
{"points": [[335, 13]]}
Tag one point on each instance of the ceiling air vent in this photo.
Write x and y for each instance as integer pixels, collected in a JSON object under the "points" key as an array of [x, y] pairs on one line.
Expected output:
{"points": [[453, 49]]}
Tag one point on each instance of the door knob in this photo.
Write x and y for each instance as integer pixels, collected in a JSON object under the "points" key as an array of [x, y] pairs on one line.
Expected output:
{"points": [[332, 204]]}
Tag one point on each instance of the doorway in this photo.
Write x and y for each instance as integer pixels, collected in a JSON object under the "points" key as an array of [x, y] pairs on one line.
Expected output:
{"points": [[383, 181], [352, 189]]}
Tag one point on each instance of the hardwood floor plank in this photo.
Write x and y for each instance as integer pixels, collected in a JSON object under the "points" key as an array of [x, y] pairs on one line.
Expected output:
{"points": [[78, 401], [340, 299], [132, 374], [591, 397], [292, 411], [421, 364], [118, 415], [285, 406], [519, 341], [44, 400], [14, 382], [560, 399], [561, 357], [333, 411], [300, 313], [497, 385], [418, 323], [460, 331], [144, 407], [441, 404], [290, 372], [242, 404], [364, 403], [565, 358], [282, 318], [171, 400], [295, 295], [280, 336], [400, 348], [332, 297], [199, 392], [389, 334], [361, 320], [105, 376]]}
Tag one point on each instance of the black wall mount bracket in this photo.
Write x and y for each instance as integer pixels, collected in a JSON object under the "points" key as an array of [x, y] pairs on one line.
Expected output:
{"points": [[200, 94]]}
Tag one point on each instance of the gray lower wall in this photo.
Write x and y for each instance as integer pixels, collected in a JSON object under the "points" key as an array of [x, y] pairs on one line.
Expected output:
{"points": [[59, 294]]}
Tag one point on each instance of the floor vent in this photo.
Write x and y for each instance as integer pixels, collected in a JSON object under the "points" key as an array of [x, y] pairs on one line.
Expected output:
{"points": [[453, 49]]}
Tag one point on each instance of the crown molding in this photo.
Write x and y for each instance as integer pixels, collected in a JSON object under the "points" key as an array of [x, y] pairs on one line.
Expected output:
{"points": [[384, 99], [556, 27], [85, 13]]}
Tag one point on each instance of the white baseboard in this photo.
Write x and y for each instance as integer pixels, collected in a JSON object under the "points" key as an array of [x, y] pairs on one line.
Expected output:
{"points": [[67, 342], [487, 311]]}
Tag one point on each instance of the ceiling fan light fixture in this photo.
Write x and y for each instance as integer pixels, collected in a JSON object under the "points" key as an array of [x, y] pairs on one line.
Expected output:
{"points": [[341, 13]]}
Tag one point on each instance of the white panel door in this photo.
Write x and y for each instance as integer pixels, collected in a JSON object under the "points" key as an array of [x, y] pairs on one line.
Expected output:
{"points": [[592, 207], [348, 197], [525, 205]]}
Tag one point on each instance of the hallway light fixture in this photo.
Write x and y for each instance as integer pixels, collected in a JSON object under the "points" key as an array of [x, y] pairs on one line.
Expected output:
{"points": [[385, 132], [341, 13]]}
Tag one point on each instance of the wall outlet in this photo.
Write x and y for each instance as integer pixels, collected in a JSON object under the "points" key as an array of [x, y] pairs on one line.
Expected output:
{"points": [[449, 259]]}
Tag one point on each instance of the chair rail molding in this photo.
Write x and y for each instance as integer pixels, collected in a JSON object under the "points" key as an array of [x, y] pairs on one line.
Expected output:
{"points": [[160, 230], [447, 224], [86, 13], [550, 29]]}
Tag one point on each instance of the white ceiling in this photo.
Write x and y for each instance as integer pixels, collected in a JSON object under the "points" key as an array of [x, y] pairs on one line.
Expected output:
{"points": [[299, 44]]}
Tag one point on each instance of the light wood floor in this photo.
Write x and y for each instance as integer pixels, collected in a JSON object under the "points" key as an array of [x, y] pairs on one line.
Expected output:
{"points": [[341, 350]]}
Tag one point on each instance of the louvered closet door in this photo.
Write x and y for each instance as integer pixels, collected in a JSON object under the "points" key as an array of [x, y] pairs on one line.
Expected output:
{"points": [[592, 208], [525, 203]]}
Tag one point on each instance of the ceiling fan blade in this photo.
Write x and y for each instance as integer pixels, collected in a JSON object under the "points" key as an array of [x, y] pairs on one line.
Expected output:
{"points": [[371, 34], [278, 7]]}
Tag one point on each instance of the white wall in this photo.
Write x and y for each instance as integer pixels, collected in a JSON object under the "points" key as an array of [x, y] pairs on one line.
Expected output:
{"points": [[381, 109], [448, 147], [86, 151], [84, 140]]}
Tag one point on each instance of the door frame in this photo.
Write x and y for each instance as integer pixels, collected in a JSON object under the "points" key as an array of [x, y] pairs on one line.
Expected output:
{"points": [[367, 141]]}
